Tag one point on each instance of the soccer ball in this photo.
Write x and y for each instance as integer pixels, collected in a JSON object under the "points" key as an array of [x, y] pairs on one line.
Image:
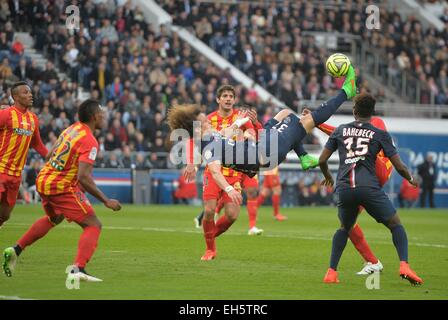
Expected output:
{"points": [[337, 65]]}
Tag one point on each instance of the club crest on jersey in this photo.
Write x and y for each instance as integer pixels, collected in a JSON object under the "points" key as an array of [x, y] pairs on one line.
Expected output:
{"points": [[93, 153]]}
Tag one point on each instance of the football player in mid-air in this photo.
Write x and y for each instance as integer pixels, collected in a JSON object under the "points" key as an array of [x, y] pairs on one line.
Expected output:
{"points": [[285, 132]]}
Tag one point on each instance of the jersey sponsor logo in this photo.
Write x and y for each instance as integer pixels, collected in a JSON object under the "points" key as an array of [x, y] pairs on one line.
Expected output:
{"points": [[354, 160], [93, 153], [22, 132]]}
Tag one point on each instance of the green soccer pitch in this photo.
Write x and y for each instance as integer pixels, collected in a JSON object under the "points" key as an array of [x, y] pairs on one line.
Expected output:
{"points": [[153, 252]]}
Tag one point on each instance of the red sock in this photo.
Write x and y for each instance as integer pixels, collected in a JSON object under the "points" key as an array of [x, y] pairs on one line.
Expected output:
{"points": [[222, 225], [219, 206], [357, 237], [260, 200], [209, 233], [252, 206], [39, 229], [276, 203], [87, 245]]}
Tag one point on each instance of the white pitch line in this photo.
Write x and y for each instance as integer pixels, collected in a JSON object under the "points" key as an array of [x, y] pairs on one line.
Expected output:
{"points": [[13, 298], [287, 236]]}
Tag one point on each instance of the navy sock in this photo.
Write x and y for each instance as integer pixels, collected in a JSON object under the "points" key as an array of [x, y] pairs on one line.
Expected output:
{"points": [[299, 150], [338, 246], [400, 240], [17, 249], [328, 108]]}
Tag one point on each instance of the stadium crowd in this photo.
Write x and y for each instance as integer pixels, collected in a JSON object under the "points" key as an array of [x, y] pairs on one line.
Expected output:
{"points": [[270, 43]]}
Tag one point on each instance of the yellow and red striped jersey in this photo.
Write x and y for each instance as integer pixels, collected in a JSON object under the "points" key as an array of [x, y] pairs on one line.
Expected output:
{"points": [[218, 122], [19, 129], [60, 174]]}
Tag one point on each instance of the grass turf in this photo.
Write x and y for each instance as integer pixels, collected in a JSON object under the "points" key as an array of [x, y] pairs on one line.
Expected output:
{"points": [[153, 252]]}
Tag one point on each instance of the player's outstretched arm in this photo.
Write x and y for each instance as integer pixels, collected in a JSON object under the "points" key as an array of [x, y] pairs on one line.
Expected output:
{"points": [[215, 170], [402, 169], [86, 181], [323, 164]]}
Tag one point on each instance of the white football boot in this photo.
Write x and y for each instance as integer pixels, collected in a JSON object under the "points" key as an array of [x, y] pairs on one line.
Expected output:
{"points": [[370, 268]]}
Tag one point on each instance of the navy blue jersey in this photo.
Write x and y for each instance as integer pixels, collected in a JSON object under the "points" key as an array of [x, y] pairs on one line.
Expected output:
{"points": [[358, 144], [241, 156], [280, 137], [276, 140]]}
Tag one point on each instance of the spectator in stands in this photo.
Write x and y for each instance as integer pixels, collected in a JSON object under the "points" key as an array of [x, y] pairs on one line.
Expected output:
{"points": [[114, 161], [142, 162], [428, 173], [127, 158]]}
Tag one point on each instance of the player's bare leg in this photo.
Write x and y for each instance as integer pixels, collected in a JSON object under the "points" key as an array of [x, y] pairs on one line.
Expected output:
{"points": [[209, 227], [5, 212]]}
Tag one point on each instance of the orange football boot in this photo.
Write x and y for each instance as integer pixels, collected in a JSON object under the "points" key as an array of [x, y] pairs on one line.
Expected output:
{"points": [[208, 255], [331, 276], [280, 217], [407, 273]]}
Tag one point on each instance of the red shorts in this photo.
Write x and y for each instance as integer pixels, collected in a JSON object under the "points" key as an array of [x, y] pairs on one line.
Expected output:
{"points": [[271, 181], [211, 190], [9, 189], [73, 206], [248, 182]]}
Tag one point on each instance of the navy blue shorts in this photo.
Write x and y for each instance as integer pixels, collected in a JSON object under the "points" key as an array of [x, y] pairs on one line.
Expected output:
{"points": [[289, 132], [374, 200]]}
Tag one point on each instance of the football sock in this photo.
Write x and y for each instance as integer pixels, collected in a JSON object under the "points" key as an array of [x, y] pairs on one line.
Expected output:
{"points": [[328, 108], [209, 233], [252, 212], [17, 249], [39, 229], [276, 203], [359, 241], [260, 200], [219, 207], [87, 245], [400, 240], [222, 225], [326, 128], [299, 150], [338, 246]]}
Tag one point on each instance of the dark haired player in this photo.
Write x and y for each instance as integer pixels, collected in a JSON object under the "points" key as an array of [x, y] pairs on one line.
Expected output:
{"points": [[19, 130], [61, 185], [219, 151], [358, 144]]}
